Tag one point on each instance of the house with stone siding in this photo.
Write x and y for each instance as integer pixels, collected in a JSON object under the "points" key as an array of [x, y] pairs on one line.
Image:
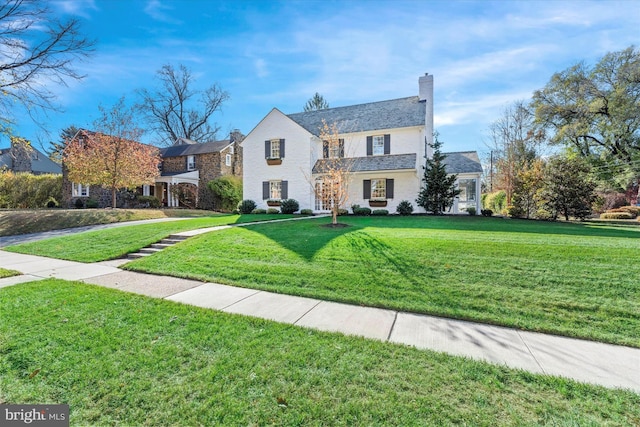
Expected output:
{"points": [[385, 142], [185, 170], [21, 156]]}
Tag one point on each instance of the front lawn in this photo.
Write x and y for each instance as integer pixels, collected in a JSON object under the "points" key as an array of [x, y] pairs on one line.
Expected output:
{"points": [[571, 279], [123, 359], [100, 245]]}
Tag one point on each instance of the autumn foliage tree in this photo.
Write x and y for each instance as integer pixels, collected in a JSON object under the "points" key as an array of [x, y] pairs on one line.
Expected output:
{"points": [[331, 185], [111, 156]]}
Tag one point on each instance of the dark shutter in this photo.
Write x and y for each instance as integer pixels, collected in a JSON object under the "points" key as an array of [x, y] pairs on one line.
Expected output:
{"points": [[387, 144], [366, 187], [186, 163], [369, 146], [282, 148], [265, 190], [325, 149], [267, 149], [284, 190], [341, 147], [389, 189]]}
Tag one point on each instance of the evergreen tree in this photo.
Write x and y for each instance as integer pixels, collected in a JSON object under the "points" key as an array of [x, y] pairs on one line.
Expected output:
{"points": [[56, 149], [439, 189], [316, 103], [569, 190]]}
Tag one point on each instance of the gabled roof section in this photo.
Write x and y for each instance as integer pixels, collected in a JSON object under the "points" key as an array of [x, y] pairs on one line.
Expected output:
{"points": [[391, 114], [193, 149], [463, 162], [369, 163]]}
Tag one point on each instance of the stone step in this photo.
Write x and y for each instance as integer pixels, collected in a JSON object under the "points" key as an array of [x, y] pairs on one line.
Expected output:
{"points": [[137, 255], [169, 241], [161, 245], [177, 237], [149, 250]]}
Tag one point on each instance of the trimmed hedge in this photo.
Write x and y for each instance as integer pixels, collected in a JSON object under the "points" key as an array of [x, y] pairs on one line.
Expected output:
{"points": [[27, 191], [404, 208], [246, 206], [380, 212], [616, 215], [289, 206], [306, 212], [259, 211], [272, 211]]}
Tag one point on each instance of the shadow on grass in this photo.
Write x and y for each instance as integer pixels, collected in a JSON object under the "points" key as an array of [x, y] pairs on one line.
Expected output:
{"points": [[308, 237]]}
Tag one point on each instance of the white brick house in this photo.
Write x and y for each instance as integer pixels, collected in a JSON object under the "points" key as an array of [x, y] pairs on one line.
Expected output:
{"points": [[386, 142]]}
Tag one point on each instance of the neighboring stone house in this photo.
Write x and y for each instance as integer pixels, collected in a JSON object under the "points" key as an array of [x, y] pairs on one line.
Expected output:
{"points": [[189, 163], [386, 143], [22, 157], [186, 164]]}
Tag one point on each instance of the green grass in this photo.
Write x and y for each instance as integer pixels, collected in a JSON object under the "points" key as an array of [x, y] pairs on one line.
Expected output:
{"points": [[123, 359], [8, 273], [571, 279], [14, 222], [100, 245]]}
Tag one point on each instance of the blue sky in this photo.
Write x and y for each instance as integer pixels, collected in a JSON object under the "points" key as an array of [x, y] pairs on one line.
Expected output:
{"points": [[484, 55]]}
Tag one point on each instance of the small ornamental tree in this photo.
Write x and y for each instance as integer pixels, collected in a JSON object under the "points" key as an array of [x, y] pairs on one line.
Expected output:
{"points": [[331, 186], [439, 188], [111, 157], [568, 189]]}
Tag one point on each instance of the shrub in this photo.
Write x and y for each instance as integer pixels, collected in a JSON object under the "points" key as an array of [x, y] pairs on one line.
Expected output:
{"points": [[380, 212], [79, 203], [496, 201], [342, 212], [471, 211], [616, 215], [357, 210], [306, 212], [246, 206], [614, 200], [92, 203], [633, 210], [486, 212], [404, 208], [227, 192], [272, 211], [259, 211], [148, 201], [27, 191], [52, 203], [514, 211], [289, 206]]}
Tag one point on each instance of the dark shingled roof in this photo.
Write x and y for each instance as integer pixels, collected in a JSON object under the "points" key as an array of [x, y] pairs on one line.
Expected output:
{"points": [[391, 114], [370, 163], [192, 149], [463, 162]]}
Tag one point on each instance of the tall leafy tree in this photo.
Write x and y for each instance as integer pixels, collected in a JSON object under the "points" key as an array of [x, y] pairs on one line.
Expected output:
{"points": [[36, 48], [439, 190], [595, 110], [515, 143], [175, 109], [568, 188], [317, 102], [111, 156]]}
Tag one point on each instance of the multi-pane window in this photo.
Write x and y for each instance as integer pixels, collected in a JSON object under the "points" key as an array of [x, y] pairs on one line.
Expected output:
{"points": [[468, 195], [275, 149], [80, 190], [227, 160], [275, 190], [191, 163], [378, 188], [378, 145]]}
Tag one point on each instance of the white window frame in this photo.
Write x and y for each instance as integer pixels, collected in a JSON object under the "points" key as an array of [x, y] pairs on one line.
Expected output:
{"points": [[334, 150], [227, 160], [231, 149], [275, 190], [275, 149], [80, 190], [378, 145], [191, 163], [379, 189]]}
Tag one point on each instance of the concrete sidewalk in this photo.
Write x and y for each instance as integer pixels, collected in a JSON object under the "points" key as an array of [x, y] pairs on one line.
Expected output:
{"points": [[603, 364]]}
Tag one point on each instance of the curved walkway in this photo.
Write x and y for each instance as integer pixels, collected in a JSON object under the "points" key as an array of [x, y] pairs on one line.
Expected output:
{"points": [[585, 361]]}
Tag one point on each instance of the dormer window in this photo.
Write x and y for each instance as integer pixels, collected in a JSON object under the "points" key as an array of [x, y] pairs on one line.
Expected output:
{"points": [[191, 163]]}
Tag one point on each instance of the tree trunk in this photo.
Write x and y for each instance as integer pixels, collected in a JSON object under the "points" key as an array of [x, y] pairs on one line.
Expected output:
{"points": [[334, 216], [113, 198]]}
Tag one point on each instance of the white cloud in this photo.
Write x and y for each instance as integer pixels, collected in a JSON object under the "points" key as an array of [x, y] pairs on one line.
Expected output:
{"points": [[81, 8], [160, 12]]}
